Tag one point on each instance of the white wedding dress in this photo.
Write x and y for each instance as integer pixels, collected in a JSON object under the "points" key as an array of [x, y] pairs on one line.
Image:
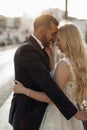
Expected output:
{"points": [[53, 118]]}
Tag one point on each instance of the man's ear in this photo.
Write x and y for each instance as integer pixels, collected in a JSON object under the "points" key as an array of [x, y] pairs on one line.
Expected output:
{"points": [[42, 30]]}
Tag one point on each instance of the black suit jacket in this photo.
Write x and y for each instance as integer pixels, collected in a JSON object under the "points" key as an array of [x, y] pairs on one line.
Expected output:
{"points": [[32, 69]]}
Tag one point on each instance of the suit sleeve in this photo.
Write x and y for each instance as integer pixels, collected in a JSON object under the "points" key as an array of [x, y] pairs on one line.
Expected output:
{"points": [[32, 63]]}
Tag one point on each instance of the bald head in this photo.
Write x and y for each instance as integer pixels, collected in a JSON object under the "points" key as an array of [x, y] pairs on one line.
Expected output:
{"points": [[45, 21]]}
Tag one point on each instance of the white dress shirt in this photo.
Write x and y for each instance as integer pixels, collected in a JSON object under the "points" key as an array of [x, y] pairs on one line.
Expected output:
{"points": [[38, 41]]}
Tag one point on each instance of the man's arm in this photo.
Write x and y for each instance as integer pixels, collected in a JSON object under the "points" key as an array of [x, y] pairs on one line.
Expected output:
{"points": [[35, 68]]}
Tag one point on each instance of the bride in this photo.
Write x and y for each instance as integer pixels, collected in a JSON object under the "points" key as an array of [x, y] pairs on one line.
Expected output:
{"points": [[70, 74]]}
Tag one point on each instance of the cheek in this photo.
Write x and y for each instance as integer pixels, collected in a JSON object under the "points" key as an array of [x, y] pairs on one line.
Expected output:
{"points": [[48, 36], [60, 45]]}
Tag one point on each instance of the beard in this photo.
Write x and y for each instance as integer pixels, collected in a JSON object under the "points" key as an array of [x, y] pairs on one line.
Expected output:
{"points": [[45, 41]]}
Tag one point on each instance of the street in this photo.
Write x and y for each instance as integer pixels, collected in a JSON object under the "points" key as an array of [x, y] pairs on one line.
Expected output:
{"points": [[6, 72], [6, 83]]}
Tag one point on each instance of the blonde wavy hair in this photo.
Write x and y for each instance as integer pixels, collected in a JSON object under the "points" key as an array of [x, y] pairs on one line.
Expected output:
{"points": [[74, 47]]}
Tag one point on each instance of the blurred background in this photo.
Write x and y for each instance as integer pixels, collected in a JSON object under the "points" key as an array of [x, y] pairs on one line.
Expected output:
{"points": [[16, 17], [16, 24]]}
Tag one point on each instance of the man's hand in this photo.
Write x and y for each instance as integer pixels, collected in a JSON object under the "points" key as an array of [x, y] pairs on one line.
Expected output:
{"points": [[81, 115]]}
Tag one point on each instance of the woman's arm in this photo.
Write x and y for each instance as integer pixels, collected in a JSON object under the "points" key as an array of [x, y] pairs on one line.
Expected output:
{"points": [[62, 74], [39, 96]]}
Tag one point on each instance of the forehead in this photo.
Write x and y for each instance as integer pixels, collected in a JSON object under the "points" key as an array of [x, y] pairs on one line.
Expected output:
{"points": [[53, 27]]}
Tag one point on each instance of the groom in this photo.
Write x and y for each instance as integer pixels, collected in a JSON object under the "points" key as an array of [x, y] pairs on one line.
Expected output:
{"points": [[32, 69]]}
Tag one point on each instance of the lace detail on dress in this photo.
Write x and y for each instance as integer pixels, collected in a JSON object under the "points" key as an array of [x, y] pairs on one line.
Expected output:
{"points": [[70, 88], [53, 118]]}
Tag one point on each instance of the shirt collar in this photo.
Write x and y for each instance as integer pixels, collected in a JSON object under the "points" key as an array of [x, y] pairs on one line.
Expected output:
{"points": [[38, 41]]}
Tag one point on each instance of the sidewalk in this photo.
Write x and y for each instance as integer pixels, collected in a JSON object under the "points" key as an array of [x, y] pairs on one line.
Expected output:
{"points": [[4, 112], [6, 83]]}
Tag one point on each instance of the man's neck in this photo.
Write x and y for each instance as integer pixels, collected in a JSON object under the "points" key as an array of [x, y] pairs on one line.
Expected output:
{"points": [[38, 41]]}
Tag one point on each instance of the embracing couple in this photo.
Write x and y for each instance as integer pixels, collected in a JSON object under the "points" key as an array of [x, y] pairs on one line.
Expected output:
{"points": [[45, 97]]}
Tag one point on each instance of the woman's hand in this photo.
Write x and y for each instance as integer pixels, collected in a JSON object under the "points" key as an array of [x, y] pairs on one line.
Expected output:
{"points": [[19, 88], [52, 57], [50, 51]]}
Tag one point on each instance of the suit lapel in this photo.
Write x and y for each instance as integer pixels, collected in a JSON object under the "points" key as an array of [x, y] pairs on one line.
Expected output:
{"points": [[43, 54], [45, 60]]}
